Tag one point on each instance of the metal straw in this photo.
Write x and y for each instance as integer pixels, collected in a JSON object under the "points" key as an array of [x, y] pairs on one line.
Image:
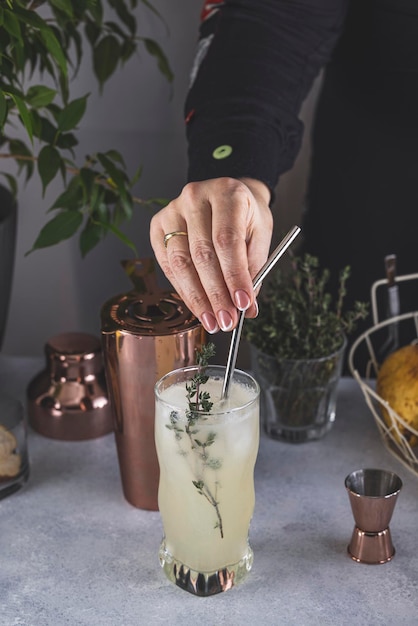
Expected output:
{"points": [[236, 333]]}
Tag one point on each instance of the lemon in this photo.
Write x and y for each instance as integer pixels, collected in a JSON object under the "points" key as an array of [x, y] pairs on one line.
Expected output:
{"points": [[397, 383]]}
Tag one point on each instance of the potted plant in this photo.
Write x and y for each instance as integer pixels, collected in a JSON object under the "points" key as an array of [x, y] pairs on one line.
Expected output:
{"points": [[42, 46], [297, 346]]}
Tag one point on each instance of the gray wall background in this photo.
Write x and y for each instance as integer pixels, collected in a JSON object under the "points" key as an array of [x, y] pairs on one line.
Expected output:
{"points": [[54, 290]]}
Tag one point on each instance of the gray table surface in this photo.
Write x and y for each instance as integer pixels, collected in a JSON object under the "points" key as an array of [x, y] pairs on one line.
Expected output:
{"points": [[74, 552]]}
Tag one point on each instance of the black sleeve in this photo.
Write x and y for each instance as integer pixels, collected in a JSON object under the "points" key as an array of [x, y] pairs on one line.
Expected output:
{"points": [[260, 58]]}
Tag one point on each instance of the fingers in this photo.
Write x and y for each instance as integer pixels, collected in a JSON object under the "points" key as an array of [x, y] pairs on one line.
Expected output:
{"points": [[229, 232], [261, 228], [241, 258], [176, 261]]}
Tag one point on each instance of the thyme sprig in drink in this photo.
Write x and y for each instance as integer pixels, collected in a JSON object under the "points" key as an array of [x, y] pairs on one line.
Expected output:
{"points": [[207, 448]]}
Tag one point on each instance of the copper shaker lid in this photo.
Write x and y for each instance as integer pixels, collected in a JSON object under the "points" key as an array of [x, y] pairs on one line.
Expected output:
{"points": [[146, 309], [71, 355]]}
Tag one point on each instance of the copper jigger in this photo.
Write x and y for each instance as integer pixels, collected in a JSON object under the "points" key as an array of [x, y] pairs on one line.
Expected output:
{"points": [[372, 494]]}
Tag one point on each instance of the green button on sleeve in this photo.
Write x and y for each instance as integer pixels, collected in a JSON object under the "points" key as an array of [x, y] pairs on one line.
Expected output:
{"points": [[222, 152]]}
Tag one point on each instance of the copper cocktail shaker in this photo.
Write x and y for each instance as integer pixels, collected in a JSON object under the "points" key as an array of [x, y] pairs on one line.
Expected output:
{"points": [[146, 333]]}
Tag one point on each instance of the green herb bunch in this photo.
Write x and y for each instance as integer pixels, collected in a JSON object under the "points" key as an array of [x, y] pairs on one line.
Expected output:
{"points": [[298, 318], [42, 46], [197, 451]]}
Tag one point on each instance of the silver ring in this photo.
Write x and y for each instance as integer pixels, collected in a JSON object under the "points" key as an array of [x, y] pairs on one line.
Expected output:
{"points": [[168, 236]]}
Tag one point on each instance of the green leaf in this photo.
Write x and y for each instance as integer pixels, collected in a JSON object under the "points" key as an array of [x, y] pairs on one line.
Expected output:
{"points": [[114, 28], [128, 49], [3, 108], [152, 8], [71, 115], [23, 112], [76, 37], [116, 156], [64, 87], [154, 49], [92, 32], [66, 6], [43, 129], [54, 47], [210, 438], [110, 168], [18, 148], [125, 206], [102, 213], [12, 183], [124, 14], [94, 202], [87, 177], [61, 227], [49, 162], [67, 141], [47, 36], [120, 235], [137, 175], [71, 197], [90, 236], [40, 96], [105, 58], [96, 11], [12, 25]]}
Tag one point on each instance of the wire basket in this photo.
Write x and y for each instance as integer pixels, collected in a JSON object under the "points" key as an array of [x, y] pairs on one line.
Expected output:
{"points": [[364, 360]]}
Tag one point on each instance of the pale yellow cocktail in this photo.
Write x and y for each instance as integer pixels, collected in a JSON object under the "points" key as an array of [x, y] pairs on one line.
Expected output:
{"points": [[206, 493]]}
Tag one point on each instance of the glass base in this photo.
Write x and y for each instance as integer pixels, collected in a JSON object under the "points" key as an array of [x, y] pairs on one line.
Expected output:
{"points": [[297, 434], [9, 486], [205, 583]]}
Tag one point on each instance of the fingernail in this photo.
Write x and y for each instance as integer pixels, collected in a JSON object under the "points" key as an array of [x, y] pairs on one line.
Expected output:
{"points": [[225, 321], [242, 300], [209, 323]]}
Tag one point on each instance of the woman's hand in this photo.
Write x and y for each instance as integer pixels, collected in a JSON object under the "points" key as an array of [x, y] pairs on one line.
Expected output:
{"points": [[229, 225]]}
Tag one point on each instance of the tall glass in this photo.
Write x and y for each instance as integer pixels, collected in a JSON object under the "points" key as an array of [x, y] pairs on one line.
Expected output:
{"points": [[206, 491]]}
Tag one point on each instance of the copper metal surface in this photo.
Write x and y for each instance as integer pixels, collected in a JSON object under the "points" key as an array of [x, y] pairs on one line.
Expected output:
{"points": [[371, 548], [372, 494], [68, 400], [146, 333]]}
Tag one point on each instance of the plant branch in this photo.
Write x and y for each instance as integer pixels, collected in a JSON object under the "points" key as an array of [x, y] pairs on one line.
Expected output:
{"points": [[50, 45]]}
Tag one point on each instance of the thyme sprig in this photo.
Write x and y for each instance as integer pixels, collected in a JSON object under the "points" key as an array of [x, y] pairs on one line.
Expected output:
{"points": [[199, 406], [199, 401]]}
